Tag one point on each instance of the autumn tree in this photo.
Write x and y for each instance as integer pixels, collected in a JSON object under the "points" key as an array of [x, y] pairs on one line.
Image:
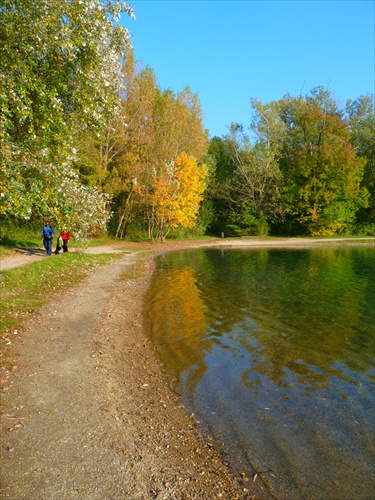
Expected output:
{"points": [[321, 170], [132, 166], [178, 125], [178, 134], [193, 138], [322, 173], [160, 125], [176, 194]]}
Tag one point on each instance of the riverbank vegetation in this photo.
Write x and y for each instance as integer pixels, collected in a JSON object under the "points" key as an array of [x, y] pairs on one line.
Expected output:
{"points": [[90, 141]]}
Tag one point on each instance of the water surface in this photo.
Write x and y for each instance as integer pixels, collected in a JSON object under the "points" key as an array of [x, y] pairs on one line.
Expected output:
{"points": [[273, 351]]}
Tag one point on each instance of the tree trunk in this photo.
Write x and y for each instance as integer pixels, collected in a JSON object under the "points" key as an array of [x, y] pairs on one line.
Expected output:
{"points": [[126, 214]]}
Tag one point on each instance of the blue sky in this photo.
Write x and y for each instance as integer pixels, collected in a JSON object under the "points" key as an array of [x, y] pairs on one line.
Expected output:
{"points": [[229, 51]]}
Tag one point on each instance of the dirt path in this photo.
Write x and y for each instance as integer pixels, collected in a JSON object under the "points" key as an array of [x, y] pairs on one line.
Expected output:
{"points": [[89, 412]]}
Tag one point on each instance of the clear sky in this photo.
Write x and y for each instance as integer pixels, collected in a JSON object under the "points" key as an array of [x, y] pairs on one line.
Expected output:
{"points": [[229, 51]]}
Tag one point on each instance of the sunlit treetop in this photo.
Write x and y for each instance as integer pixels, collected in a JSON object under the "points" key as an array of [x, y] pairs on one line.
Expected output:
{"points": [[60, 67], [60, 73]]}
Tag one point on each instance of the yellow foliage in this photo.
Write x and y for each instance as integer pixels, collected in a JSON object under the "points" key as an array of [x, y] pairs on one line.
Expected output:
{"points": [[320, 226], [177, 192]]}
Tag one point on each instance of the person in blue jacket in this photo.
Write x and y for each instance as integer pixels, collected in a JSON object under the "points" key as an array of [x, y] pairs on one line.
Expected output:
{"points": [[47, 236]]}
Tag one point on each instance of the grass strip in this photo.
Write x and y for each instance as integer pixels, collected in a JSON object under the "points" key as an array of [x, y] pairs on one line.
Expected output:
{"points": [[24, 289]]}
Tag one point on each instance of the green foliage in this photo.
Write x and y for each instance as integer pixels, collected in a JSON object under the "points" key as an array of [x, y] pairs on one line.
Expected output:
{"points": [[60, 73], [137, 230], [73, 99], [224, 166], [245, 188], [364, 229], [307, 172], [15, 234], [361, 120], [244, 223], [60, 63], [220, 173], [256, 187], [206, 215], [321, 170]]}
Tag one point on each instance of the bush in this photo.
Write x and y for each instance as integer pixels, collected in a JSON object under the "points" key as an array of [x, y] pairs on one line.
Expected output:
{"points": [[365, 229]]}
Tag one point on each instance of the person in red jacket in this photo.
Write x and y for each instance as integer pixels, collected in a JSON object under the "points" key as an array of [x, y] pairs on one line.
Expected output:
{"points": [[65, 240]]}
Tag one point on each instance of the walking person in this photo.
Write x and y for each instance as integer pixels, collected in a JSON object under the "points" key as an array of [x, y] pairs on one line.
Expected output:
{"points": [[65, 240], [47, 236], [59, 245]]}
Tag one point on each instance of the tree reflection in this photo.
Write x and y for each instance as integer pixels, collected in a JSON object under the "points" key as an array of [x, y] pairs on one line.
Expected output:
{"points": [[291, 316], [177, 322]]}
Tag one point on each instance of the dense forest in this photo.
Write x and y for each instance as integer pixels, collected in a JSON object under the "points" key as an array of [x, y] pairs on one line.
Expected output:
{"points": [[90, 141]]}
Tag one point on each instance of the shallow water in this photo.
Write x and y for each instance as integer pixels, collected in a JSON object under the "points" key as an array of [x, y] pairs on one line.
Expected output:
{"points": [[273, 351]]}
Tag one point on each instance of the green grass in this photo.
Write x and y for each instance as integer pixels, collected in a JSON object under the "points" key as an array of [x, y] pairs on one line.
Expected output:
{"points": [[24, 289], [16, 237]]}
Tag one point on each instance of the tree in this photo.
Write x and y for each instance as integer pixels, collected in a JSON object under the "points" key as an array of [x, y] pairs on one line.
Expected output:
{"points": [[60, 66], [361, 120], [160, 125], [246, 184], [220, 173], [133, 164], [322, 173], [59, 69], [193, 138], [52, 191], [176, 195], [255, 189], [321, 170]]}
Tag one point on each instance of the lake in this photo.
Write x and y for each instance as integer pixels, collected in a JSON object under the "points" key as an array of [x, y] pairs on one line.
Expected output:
{"points": [[273, 351]]}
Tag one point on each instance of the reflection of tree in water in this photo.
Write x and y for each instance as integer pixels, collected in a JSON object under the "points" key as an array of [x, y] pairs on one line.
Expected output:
{"points": [[312, 322], [304, 311], [292, 316], [176, 321]]}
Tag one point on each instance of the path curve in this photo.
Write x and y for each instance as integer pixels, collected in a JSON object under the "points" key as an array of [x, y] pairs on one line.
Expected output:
{"points": [[89, 411], [90, 414], [26, 256]]}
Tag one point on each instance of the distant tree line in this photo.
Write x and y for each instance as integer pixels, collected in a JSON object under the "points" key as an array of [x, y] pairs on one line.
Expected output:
{"points": [[90, 141], [309, 169]]}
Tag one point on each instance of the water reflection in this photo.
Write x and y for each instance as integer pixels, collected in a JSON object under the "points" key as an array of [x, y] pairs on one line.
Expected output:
{"points": [[274, 349], [179, 321]]}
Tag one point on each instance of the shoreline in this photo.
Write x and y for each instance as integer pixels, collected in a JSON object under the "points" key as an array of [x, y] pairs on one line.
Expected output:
{"points": [[24, 256], [91, 412]]}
